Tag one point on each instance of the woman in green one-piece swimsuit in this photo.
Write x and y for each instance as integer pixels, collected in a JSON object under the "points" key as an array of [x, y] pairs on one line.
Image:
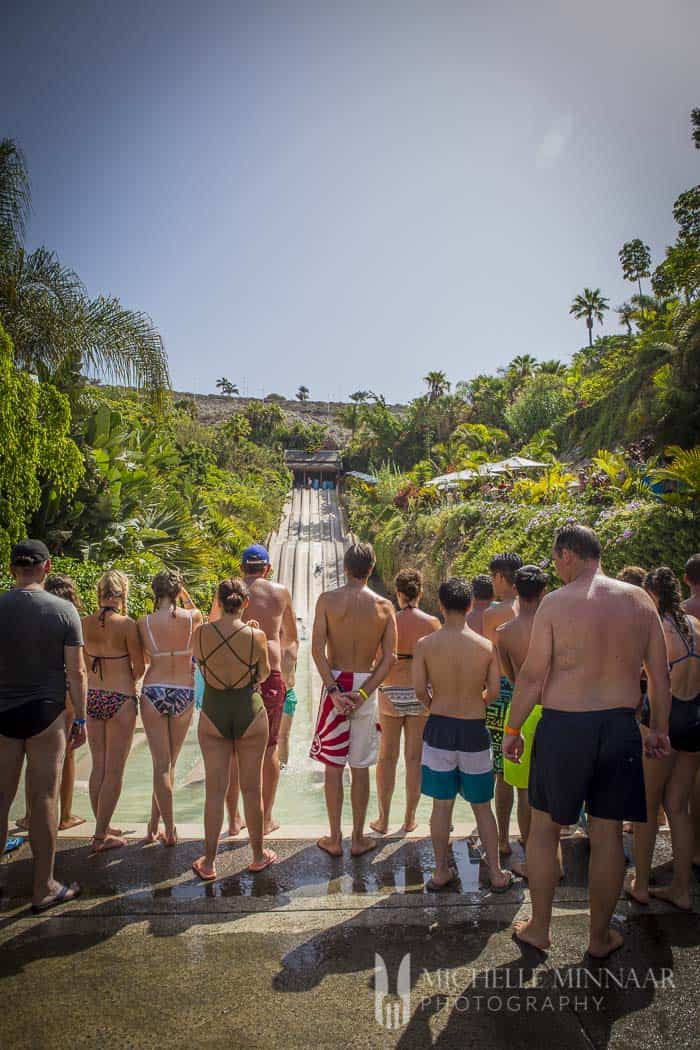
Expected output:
{"points": [[232, 657]]}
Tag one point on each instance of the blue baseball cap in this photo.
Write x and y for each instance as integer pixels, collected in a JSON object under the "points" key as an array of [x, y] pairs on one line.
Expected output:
{"points": [[255, 553]]}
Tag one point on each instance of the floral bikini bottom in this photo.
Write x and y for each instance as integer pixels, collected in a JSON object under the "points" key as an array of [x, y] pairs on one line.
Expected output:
{"points": [[172, 700], [105, 703]]}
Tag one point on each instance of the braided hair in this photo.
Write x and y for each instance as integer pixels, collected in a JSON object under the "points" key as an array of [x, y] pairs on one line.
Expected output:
{"points": [[665, 586]]}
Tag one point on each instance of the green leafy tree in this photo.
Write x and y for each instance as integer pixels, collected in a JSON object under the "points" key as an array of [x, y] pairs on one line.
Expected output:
{"points": [[522, 368], [686, 212], [551, 368], [591, 306], [541, 403], [635, 258], [303, 393], [695, 124], [227, 387]]}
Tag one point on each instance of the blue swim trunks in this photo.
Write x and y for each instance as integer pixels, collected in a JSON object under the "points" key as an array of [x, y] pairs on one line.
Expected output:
{"points": [[457, 759]]}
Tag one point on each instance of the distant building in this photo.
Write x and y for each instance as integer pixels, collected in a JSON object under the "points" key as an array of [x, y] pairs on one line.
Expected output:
{"points": [[313, 466]]}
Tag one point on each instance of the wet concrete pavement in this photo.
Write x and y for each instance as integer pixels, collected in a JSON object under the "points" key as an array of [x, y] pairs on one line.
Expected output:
{"points": [[150, 956]]}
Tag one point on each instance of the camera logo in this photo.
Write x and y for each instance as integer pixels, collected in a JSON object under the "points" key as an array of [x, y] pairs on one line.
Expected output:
{"points": [[388, 1012]]}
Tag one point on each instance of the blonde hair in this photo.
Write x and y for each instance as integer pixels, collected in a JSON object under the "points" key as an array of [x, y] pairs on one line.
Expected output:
{"points": [[113, 584]]}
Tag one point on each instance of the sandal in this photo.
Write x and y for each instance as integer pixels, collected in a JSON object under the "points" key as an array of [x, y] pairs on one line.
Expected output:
{"points": [[506, 886], [65, 895], [203, 875], [439, 887], [269, 859]]}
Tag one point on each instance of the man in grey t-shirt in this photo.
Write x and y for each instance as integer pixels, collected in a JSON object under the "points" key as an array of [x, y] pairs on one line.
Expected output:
{"points": [[41, 645]]}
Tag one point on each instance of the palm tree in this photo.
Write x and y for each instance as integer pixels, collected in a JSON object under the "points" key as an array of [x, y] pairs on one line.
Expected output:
{"points": [[626, 314], [438, 384], [57, 330], [227, 387], [552, 368], [591, 305], [303, 393], [522, 367]]}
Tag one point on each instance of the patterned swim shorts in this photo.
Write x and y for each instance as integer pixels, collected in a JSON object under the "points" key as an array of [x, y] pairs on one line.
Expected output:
{"points": [[104, 704], [172, 700], [496, 716]]}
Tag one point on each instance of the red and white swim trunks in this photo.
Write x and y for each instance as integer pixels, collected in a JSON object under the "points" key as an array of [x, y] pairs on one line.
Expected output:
{"points": [[339, 740]]}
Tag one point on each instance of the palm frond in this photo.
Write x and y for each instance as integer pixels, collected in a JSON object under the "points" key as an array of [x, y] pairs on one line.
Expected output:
{"points": [[15, 194]]}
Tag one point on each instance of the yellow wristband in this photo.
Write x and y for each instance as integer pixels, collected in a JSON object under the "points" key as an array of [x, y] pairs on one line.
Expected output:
{"points": [[363, 694]]}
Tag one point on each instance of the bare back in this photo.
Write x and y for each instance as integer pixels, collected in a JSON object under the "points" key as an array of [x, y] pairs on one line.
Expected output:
{"points": [[167, 641], [691, 606], [271, 605], [231, 655], [495, 616], [113, 653], [352, 624], [512, 643], [685, 668], [598, 632], [475, 616], [458, 666], [411, 625]]}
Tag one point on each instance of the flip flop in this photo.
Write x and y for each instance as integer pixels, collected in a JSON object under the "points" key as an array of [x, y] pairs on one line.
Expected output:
{"points": [[255, 868], [61, 898], [14, 842], [205, 878], [439, 887], [504, 888]]}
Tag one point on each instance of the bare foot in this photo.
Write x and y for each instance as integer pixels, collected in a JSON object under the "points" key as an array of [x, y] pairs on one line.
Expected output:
{"points": [[269, 826], [114, 831], [409, 824], [364, 845], [268, 857], [635, 894], [672, 896], [70, 822], [376, 825], [602, 950], [332, 846], [108, 842], [151, 836], [526, 932], [168, 840], [505, 849], [234, 828]]}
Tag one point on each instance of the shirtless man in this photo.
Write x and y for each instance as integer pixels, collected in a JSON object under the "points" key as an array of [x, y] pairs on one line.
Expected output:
{"points": [[503, 569], [455, 673], [589, 639], [271, 606], [692, 606], [512, 641], [482, 599], [353, 646]]}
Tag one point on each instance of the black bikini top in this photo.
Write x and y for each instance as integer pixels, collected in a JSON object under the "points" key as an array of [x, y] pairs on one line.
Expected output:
{"points": [[97, 660], [226, 641]]}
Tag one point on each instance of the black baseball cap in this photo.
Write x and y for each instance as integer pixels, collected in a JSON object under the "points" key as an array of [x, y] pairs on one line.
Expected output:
{"points": [[29, 552]]}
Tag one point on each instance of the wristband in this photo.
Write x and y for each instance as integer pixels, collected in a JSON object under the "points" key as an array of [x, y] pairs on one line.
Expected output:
{"points": [[78, 721], [363, 694], [511, 732]]}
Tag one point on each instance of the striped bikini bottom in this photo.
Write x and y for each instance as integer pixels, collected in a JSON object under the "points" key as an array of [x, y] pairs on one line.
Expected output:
{"points": [[403, 700], [172, 700]]}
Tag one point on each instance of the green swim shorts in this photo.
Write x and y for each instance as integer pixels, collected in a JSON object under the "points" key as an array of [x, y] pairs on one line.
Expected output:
{"points": [[518, 773]]}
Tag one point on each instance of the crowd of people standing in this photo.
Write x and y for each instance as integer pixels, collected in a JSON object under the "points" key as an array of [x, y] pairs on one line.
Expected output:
{"points": [[582, 703]]}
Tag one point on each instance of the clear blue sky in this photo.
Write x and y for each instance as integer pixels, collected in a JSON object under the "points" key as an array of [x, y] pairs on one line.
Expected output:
{"points": [[347, 195]]}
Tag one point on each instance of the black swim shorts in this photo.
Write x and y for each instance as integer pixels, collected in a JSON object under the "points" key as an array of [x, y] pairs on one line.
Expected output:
{"points": [[591, 757]]}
